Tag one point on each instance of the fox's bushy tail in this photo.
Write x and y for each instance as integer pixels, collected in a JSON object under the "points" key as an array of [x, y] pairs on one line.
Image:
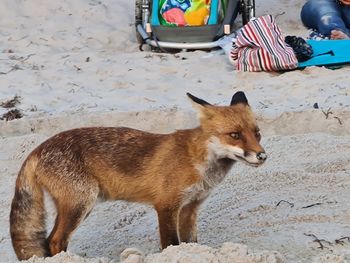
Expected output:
{"points": [[27, 217]]}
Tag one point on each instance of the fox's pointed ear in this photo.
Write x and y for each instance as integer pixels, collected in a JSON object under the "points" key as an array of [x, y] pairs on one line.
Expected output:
{"points": [[239, 97], [201, 106], [197, 100]]}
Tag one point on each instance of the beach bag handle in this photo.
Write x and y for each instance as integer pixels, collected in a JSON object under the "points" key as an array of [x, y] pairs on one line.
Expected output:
{"points": [[260, 46]]}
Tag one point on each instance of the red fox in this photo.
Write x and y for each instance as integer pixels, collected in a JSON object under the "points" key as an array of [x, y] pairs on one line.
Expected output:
{"points": [[172, 172]]}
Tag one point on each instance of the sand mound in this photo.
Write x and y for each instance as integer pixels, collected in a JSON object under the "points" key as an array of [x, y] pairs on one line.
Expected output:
{"points": [[184, 253], [228, 253], [190, 253]]}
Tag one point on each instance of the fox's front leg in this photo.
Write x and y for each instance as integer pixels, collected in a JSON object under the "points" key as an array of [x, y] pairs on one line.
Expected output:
{"points": [[168, 220], [188, 222]]}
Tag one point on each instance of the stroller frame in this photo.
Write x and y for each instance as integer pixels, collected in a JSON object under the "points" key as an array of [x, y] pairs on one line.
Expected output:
{"points": [[149, 30]]}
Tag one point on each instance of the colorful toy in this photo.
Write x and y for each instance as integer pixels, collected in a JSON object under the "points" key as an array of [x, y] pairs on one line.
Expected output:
{"points": [[184, 12]]}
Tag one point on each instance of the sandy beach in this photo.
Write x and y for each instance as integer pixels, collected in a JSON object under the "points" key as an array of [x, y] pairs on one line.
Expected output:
{"points": [[77, 64]]}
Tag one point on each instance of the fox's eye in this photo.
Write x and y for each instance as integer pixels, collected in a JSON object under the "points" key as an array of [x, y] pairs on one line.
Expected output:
{"points": [[236, 135]]}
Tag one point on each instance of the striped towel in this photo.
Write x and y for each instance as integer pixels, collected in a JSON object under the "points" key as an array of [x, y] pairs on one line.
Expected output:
{"points": [[260, 47]]}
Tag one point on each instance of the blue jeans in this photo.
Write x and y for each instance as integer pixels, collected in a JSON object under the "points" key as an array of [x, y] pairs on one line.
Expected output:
{"points": [[326, 15]]}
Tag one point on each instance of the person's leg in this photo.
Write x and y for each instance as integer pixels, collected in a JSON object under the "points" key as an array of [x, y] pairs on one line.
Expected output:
{"points": [[341, 34], [346, 15], [324, 16]]}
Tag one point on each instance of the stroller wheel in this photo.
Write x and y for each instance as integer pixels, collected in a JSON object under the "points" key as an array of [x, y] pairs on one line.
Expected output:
{"points": [[142, 11], [247, 9]]}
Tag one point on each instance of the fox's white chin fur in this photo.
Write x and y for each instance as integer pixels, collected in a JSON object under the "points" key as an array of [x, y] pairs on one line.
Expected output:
{"points": [[233, 152], [243, 160]]}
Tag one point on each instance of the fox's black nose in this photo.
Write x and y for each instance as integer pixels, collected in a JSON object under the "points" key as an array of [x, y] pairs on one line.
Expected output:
{"points": [[261, 156]]}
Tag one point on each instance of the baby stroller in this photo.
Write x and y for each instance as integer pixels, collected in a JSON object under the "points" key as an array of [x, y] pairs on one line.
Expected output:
{"points": [[188, 24]]}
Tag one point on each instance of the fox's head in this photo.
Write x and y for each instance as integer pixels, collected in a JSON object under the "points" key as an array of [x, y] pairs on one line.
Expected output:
{"points": [[233, 131]]}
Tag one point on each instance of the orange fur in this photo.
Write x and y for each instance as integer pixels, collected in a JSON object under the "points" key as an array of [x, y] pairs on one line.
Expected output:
{"points": [[172, 172]]}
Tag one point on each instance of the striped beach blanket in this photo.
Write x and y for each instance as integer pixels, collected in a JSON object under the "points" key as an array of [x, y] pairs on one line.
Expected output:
{"points": [[260, 46]]}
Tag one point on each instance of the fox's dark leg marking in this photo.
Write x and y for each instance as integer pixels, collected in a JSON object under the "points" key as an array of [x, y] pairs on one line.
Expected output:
{"points": [[167, 218]]}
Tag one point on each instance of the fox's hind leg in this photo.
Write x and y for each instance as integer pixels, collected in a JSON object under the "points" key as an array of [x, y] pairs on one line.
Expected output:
{"points": [[188, 222], [70, 212]]}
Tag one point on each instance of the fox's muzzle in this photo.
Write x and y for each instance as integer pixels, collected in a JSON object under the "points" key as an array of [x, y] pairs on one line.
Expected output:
{"points": [[261, 156]]}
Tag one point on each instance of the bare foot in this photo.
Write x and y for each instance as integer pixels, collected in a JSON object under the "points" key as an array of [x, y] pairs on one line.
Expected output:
{"points": [[337, 34]]}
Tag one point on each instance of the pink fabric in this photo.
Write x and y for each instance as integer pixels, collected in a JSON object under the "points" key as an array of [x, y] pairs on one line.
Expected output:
{"points": [[176, 16]]}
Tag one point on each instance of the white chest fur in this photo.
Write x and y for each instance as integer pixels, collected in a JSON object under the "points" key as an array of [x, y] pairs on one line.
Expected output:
{"points": [[212, 172]]}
